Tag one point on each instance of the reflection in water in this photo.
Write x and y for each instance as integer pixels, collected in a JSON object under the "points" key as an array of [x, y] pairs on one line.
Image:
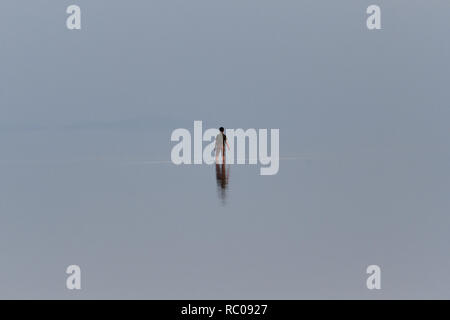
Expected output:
{"points": [[222, 177]]}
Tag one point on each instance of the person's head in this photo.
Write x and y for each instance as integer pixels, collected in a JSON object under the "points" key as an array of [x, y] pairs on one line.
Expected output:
{"points": [[221, 129]]}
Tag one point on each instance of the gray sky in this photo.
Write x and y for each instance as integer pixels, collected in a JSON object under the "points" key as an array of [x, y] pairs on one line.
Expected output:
{"points": [[364, 112]]}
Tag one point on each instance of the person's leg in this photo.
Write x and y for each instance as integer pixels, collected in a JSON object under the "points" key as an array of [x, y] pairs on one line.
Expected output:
{"points": [[218, 151]]}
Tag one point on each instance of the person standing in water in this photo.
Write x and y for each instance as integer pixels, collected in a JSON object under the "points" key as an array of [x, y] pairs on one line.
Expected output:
{"points": [[221, 141]]}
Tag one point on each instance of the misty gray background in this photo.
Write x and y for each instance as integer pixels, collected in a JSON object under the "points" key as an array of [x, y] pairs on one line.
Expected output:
{"points": [[363, 117]]}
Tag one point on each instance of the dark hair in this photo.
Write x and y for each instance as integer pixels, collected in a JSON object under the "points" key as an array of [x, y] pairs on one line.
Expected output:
{"points": [[221, 129]]}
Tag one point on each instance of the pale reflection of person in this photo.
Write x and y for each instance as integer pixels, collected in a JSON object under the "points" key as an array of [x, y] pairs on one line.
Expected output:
{"points": [[221, 141], [222, 177]]}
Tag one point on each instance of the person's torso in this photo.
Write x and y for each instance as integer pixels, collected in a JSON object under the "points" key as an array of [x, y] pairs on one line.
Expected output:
{"points": [[220, 140]]}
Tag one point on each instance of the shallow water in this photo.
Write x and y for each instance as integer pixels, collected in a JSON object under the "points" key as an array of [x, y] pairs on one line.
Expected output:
{"points": [[156, 230], [86, 118]]}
